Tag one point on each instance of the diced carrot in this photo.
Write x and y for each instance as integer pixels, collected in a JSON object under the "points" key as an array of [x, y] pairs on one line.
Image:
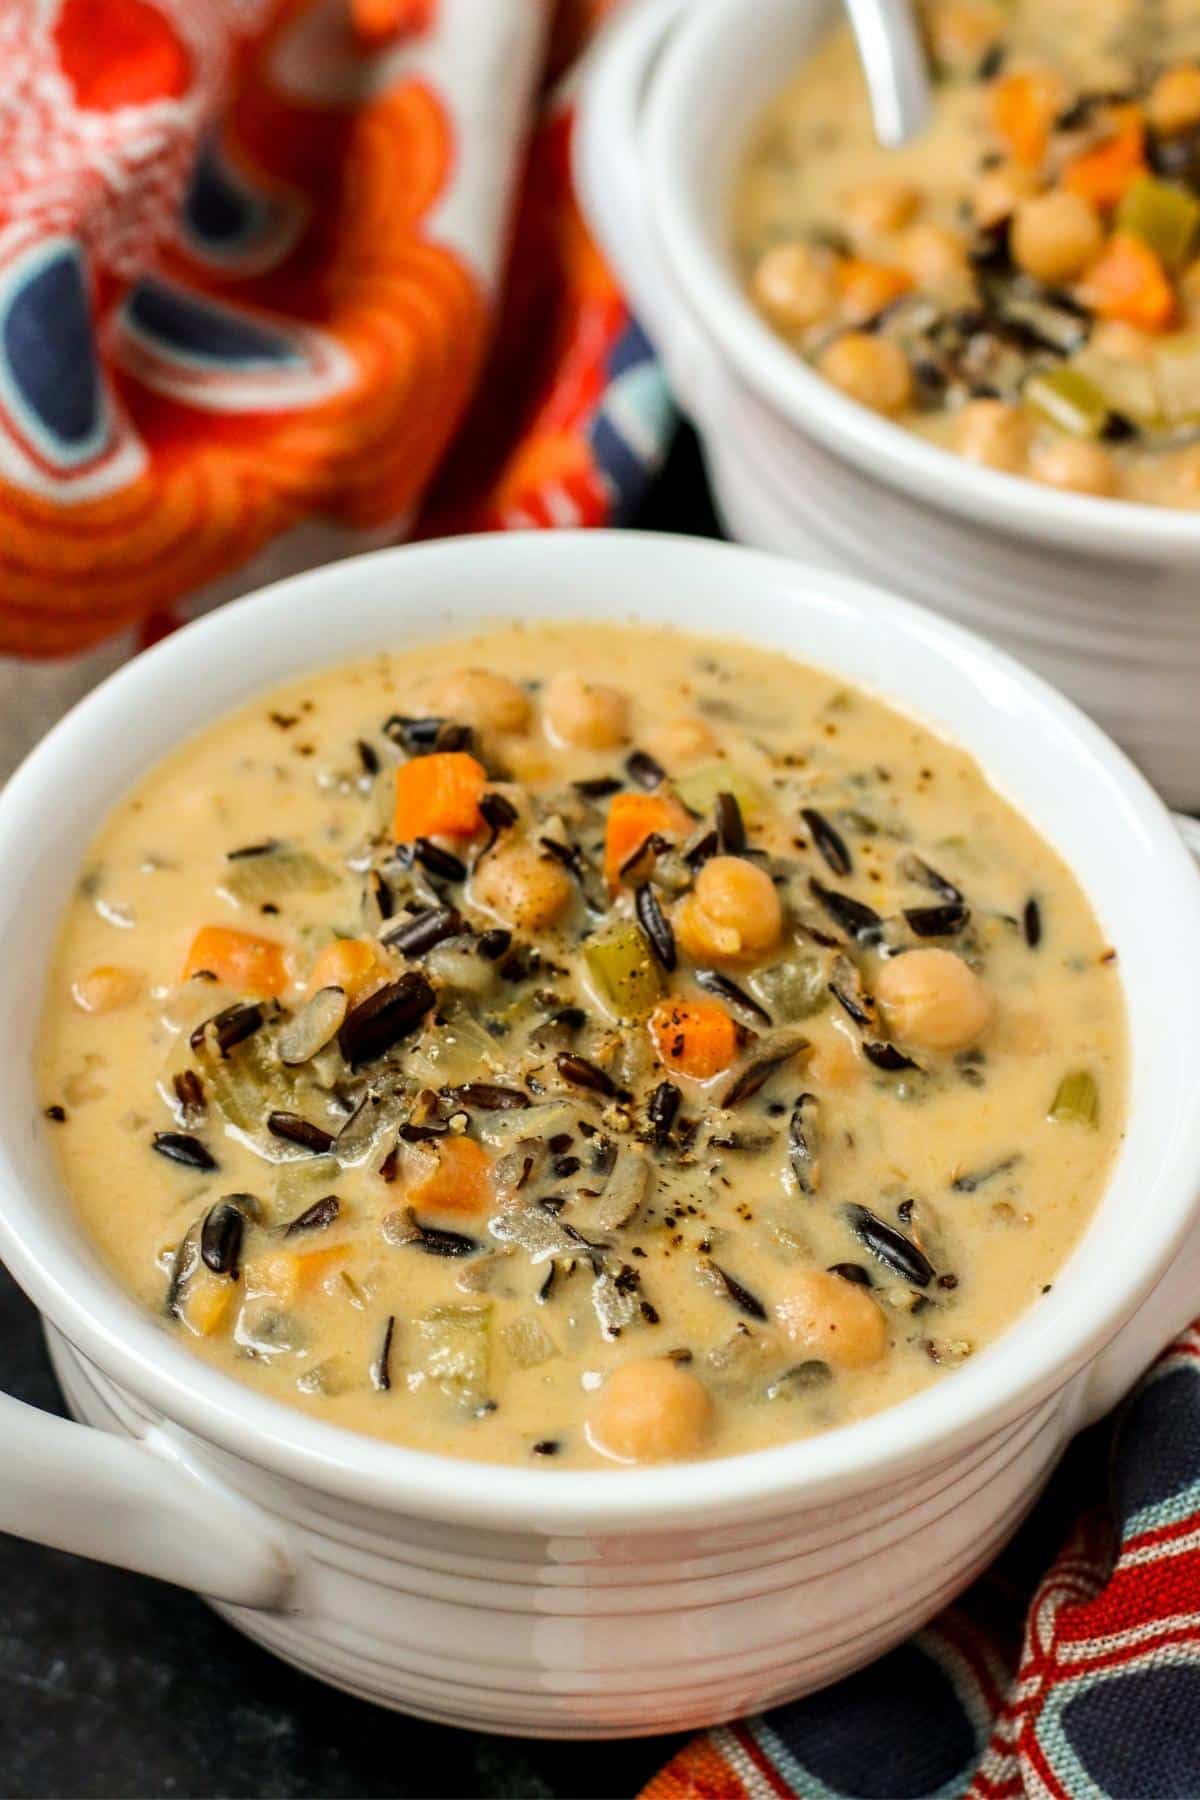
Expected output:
{"points": [[352, 964], [866, 288], [247, 964], [632, 818], [694, 1037], [287, 1273], [207, 1302], [1128, 282], [456, 1177], [1024, 108], [438, 796], [1104, 174]]}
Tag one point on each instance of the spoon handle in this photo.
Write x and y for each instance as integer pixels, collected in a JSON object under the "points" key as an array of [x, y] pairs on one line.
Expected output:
{"points": [[893, 59]]}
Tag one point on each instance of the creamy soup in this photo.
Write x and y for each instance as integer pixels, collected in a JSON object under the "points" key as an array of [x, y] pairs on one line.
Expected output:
{"points": [[1021, 283], [660, 1063]]}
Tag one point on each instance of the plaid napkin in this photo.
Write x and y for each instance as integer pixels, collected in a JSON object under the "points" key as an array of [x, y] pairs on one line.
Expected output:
{"points": [[1070, 1670], [281, 280]]}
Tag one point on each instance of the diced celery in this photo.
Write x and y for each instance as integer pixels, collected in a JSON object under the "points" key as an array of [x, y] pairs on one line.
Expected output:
{"points": [[1068, 399], [1177, 365], [278, 871], [453, 1350], [699, 789], [528, 1342], [1130, 388], [1076, 1101], [624, 971], [1163, 216], [792, 990]]}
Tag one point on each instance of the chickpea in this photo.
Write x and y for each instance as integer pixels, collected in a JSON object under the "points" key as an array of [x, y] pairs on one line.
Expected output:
{"points": [[998, 192], [481, 698], [1077, 467], [880, 206], [826, 1316], [934, 999], [682, 740], [1174, 101], [585, 713], [795, 285], [1056, 235], [650, 1411], [992, 433], [523, 887], [871, 370], [934, 256], [733, 912], [106, 989]]}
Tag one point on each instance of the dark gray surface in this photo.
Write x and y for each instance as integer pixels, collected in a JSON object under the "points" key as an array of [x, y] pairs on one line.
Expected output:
{"points": [[113, 1685]]}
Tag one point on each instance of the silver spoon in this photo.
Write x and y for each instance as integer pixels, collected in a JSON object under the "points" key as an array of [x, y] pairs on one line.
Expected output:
{"points": [[893, 60]]}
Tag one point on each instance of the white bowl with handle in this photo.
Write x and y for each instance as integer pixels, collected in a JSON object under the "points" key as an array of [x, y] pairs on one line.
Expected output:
{"points": [[1102, 597], [616, 1601]]}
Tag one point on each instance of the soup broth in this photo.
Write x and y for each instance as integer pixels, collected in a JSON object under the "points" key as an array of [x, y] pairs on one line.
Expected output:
{"points": [[1020, 283], [515, 1065]]}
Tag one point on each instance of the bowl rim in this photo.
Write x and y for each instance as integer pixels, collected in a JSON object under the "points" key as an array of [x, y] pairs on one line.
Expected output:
{"points": [[703, 282], [111, 1328]]}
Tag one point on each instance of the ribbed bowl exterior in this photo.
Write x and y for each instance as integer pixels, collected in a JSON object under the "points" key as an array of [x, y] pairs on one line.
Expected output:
{"points": [[1120, 637], [594, 1636]]}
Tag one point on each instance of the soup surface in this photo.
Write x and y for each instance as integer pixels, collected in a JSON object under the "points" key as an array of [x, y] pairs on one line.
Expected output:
{"points": [[1021, 283], [662, 1064]]}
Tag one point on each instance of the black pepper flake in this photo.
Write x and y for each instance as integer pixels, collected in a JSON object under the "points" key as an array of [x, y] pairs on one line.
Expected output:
{"points": [[547, 1447], [368, 756], [56, 1114]]}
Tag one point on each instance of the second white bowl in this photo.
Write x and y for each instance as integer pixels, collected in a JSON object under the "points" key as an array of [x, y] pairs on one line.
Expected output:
{"points": [[1102, 597]]}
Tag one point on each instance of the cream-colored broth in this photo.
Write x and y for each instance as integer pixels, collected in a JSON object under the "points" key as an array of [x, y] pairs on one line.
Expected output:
{"points": [[813, 158], [786, 737]]}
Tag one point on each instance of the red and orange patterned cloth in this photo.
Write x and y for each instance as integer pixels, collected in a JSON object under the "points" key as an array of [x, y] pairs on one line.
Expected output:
{"points": [[1070, 1671], [253, 255]]}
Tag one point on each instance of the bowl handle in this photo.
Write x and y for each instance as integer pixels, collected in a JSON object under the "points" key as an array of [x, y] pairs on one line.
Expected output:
{"points": [[136, 1503], [610, 178], [1166, 1311]]}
